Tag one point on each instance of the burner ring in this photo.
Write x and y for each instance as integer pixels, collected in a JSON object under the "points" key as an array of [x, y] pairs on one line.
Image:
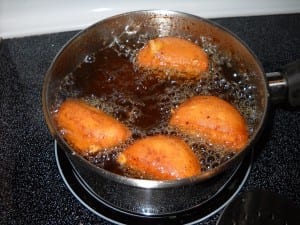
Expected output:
{"points": [[190, 216]]}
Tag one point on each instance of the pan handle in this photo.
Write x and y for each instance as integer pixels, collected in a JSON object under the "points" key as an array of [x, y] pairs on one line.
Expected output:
{"points": [[285, 85]]}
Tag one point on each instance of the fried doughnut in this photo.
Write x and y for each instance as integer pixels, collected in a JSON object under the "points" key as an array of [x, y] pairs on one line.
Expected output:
{"points": [[213, 119], [160, 157], [173, 54], [87, 128]]}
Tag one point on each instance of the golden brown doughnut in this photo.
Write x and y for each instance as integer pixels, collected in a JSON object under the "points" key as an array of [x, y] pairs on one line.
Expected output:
{"points": [[173, 54], [213, 119], [89, 129], [160, 157]]}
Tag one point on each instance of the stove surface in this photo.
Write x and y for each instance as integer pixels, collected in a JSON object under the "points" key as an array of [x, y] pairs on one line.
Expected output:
{"points": [[32, 190]]}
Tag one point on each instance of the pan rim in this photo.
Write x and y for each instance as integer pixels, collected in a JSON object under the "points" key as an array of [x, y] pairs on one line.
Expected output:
{"points": [[144, 183]]}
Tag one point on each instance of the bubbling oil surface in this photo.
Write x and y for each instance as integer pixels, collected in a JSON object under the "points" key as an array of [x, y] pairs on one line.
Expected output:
{"points": [[108, 79]]}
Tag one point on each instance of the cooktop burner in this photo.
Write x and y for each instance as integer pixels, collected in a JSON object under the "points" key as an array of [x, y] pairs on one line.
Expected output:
{"points": [[190, 216]]}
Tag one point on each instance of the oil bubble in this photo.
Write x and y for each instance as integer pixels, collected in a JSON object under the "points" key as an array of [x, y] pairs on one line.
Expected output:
{"points": [[90, 58]]}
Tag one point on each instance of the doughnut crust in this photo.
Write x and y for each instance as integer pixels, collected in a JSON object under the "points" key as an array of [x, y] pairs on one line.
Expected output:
{"points": [[174, 56], [160, 157], [212, 119], [88, 129]]}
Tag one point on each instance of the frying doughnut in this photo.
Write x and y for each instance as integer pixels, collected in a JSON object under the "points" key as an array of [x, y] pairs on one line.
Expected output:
{"points": [[171, 54], [89, 129], [160, 157], [213, 119]]}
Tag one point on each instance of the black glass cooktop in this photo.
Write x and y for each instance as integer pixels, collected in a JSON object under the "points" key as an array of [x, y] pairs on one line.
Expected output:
{"points": [[32, 190]]}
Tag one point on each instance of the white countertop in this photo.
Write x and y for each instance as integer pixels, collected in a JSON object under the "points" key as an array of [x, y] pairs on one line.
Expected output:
{"points": [[31, 17]]}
